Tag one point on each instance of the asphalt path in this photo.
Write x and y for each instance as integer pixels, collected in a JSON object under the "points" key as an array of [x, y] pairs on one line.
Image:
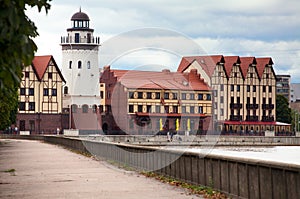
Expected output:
{"points": [[33, 169]]}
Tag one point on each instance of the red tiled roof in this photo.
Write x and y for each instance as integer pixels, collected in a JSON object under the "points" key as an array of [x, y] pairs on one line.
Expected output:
{"points": [[40, 65], [160, 80], [261, 64], [208, 63], [245, 62], [229, 62]]}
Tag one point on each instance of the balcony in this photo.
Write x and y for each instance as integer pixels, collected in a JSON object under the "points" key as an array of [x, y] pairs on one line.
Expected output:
{"points": [[252, 106], [267, 118], [267, 106], [235, 117], [251, 118], [236, 106]]}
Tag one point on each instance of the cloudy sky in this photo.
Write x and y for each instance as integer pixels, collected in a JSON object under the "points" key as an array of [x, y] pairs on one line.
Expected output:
{"points": [[174, 27]]}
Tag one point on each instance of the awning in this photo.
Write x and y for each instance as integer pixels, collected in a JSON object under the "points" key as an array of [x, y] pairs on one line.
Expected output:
{"points": [[248, 123]]}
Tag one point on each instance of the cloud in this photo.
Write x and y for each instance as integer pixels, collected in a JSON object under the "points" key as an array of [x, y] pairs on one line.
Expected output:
{"points": [[229, 27]]}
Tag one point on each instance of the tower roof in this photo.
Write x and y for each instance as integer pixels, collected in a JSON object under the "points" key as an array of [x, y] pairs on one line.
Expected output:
{"points": [[80, 16]]}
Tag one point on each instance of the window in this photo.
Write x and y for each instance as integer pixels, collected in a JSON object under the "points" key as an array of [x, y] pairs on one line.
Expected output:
{"points": [[200, 109], [183, 109], [222, 112], [192, 96], [148, 95], [46, 91], [27, 74], [192, 109], [79, 64], [76, 37], [157, 95], [157, 109], [101, 94], [251, 75], [70, 64], [254, 88], [31, 106], [264, 89], [94, 108], [130, 108], [49, 75], [166, 95], [85, 108], [221, 99], [22, 106], [222, 87], [65, 90], [31, 91], [200, 96], [270, 89], [22, 91], [140, 95], [88, 65], [148, 108], [140, 108], [235, 74], [208, 96], [167, 109], [231, 87], [175, 96], [74, 108], [238, 88], [175, 109], [267, 76], [183, 96], [248, 88], [54, 92], [131, 94]]}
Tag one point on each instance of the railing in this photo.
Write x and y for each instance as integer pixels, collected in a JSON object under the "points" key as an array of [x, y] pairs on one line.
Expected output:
{"points": [[268, 118], [80, 40], [235, 117], [251, 118], [236, 106], [267, 106], [252, 106]]}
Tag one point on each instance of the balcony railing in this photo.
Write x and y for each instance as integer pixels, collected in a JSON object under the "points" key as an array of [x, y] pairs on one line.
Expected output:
{"points": [[251, 118], [267, 118], [80, 40], [267, 106], [252, 106], [235, 117], [236, 106]]}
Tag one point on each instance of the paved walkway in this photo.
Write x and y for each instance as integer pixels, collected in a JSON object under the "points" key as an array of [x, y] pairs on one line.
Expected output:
{"points": [[48, 171]]}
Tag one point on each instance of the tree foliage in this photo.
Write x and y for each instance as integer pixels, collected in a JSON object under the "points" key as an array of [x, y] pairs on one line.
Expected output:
{"points": [[17, 47], [283, 112]]}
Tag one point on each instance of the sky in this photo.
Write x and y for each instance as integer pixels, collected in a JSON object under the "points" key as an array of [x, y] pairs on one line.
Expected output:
{"points": [[144, 34]]}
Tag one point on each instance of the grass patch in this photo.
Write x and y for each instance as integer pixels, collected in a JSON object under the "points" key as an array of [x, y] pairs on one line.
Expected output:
{"points": [[205, 191]]}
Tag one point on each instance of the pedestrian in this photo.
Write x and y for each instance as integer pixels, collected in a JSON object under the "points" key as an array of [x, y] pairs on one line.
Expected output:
{"points": [[168, 136]]}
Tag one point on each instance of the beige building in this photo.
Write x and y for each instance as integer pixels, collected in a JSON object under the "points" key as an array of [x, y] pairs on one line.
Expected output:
{"points": [[244, 90], [40, 97], [144, 102]]}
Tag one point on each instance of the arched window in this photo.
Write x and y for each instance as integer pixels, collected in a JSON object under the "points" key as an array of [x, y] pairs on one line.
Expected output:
{"points": [[79, 64], [85, 108], [88, 65], [70, 64], [74, 108], [94, 108], [65, 90]]}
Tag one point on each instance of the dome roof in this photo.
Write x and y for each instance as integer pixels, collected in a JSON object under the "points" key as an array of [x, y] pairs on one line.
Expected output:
{"points": [[80, 16]]}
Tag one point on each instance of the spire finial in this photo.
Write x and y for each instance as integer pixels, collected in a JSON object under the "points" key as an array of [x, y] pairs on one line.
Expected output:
{"points": [[80, 9]]}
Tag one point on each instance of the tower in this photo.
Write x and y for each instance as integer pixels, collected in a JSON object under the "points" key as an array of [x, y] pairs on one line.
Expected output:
{"points": [[80, 68]]}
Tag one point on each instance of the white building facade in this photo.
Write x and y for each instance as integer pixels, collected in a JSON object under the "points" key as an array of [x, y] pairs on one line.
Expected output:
{"points": [[80, 67]]}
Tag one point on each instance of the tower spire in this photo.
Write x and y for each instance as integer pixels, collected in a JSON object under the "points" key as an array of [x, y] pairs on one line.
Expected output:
{"points": [[79, 8]]}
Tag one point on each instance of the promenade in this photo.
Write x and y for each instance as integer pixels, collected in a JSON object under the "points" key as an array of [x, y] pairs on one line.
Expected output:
{"points": [[32, 169]]}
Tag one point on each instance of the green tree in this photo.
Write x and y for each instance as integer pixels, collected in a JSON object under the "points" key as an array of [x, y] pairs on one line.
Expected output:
{"points": [[283, 112], [17, 49]]}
